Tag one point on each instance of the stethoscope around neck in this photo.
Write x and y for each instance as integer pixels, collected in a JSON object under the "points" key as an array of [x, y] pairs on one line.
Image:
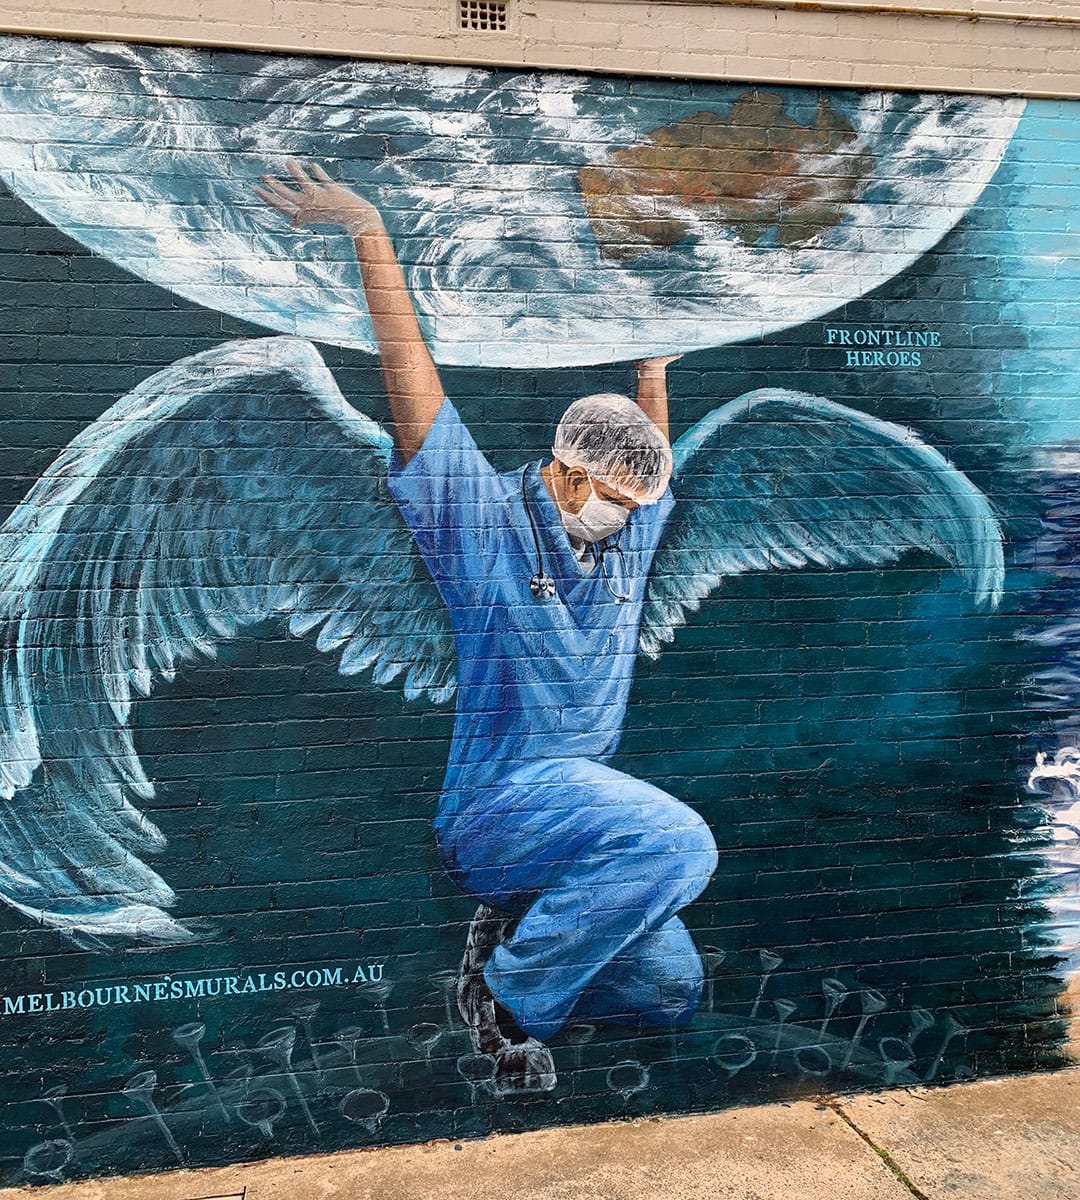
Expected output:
{"points": [[542, 585]]}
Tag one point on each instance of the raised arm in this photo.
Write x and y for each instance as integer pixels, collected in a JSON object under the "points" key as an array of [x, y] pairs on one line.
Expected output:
{"points": [[412, 380], [652, 389]]}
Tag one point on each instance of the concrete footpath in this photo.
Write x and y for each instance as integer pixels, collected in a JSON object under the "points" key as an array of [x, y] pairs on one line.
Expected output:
{"points": [[1007, 1139]]}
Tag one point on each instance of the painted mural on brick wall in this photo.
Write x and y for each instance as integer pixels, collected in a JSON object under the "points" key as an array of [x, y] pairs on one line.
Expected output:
{"points": [[525, 598]]}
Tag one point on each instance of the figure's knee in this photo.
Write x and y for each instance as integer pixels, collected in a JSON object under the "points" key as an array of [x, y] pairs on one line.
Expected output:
{"points": [[688, 847], [699, 846]]}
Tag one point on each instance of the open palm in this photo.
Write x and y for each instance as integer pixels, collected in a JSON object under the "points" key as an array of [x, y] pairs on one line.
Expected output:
{"points": [[319, 200]]}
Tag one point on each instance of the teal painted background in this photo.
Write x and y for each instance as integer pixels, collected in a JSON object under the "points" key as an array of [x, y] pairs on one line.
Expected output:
{"points": [[857, 740]]}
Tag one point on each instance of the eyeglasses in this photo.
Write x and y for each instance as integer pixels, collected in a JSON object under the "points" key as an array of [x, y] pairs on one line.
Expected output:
{"points": [[613, 568]]}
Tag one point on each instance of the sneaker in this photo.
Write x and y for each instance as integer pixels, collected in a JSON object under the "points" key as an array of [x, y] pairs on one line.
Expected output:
{"points": [[522, 1063]]}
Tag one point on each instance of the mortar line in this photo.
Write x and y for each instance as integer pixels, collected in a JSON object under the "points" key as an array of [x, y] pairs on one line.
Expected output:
{"points": [[890, 1162]]}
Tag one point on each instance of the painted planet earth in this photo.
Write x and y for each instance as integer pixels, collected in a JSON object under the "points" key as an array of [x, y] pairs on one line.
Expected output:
{"points": [[542, 219]]}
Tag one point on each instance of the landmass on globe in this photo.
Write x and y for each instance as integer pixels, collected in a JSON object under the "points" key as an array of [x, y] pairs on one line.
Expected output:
{"points": [[754, 170]]}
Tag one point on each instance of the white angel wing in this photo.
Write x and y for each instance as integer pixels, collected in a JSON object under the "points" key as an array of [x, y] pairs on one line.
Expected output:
{"points": [[231, 487], [780, 479]]}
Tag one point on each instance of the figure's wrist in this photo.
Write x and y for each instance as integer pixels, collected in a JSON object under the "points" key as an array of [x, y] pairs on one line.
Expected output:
{"points": [[655, 368], [361, 219]]}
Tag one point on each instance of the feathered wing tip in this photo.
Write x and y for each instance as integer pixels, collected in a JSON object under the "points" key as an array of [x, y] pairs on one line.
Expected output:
{"points": [[778, 480], [985, 570], [107, 927], [87, 884], [234, 486], [970, 533]]}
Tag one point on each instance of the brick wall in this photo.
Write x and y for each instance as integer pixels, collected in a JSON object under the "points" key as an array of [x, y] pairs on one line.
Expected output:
{"points": [[856, 736], [843, 44]]}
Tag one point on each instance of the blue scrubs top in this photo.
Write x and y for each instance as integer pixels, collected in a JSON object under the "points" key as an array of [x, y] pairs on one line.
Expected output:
{"points": [[537, 679]]}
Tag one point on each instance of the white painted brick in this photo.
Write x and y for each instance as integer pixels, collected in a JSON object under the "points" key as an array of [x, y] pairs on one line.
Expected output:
{"points": [[874, 48], [381, 22], [716, 40], [249, 14], [1022, 58]]}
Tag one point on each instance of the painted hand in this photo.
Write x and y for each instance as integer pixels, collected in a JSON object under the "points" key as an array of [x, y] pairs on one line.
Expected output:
{"points": [[318, 200]]}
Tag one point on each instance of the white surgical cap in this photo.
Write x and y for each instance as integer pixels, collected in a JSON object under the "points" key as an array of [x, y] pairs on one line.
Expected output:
{"points": [[609, 436]]}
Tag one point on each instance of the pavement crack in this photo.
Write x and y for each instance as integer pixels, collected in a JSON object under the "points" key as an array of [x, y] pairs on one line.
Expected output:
{"points": [[890, 1162]]}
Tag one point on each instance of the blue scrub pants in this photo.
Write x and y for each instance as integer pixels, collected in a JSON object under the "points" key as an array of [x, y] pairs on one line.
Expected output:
{"points": [[595, 864]]}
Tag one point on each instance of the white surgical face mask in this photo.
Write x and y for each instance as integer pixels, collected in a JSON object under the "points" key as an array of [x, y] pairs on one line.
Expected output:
{"points": [[597, 519]]}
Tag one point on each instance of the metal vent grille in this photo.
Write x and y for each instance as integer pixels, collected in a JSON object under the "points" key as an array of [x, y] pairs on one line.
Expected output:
{"points": [[485, 16]]}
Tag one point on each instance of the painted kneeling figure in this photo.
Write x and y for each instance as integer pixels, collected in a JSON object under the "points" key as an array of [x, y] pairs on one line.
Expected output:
{"points": [[580, 870]]}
